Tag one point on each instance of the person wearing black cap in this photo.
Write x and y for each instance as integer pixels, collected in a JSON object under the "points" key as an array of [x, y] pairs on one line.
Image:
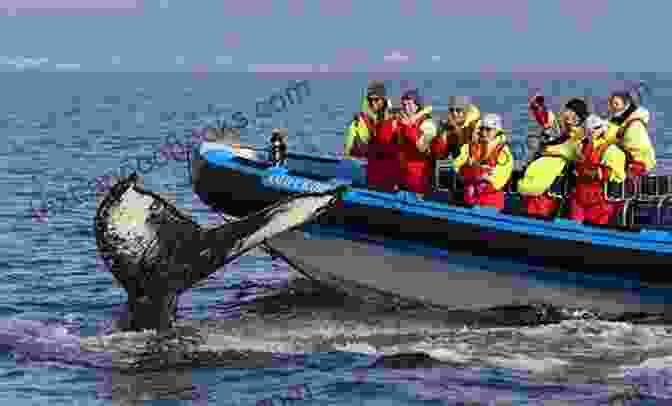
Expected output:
{"points": [[628, 128], [373, 108], [372, 135], [545, 174], [416, 131], [574, 114]]}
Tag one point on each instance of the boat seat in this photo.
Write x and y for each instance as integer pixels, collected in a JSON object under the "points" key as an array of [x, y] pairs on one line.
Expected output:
{"points": [[652, 192]]}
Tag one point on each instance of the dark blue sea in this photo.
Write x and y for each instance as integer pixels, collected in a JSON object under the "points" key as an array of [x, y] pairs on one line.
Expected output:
{"points": [[58, 305]]}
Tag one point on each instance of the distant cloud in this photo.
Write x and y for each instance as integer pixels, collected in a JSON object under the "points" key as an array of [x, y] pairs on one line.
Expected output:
{"points": [[68, 66], [116, 60], [224, 60], [70, 7], [179, 60], [163, 4], [436, 58], [395, 56], [23, 62]]}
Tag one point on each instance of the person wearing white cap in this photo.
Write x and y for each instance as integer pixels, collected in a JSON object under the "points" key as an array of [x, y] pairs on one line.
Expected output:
{"points": [[485, 164], [598, 162]]}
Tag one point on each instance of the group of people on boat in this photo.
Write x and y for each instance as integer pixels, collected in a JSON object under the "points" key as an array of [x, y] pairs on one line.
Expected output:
{"points": [[403, 145]]}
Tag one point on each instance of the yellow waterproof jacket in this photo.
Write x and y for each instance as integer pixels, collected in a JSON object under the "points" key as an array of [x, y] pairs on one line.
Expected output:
{"points": [[566, 149], [635, 141], [358, 131], [503, 168], [542, 172], [613, 158]]}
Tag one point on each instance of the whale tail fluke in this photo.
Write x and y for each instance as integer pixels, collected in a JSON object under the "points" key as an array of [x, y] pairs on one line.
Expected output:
{"points": [[157, 251]]}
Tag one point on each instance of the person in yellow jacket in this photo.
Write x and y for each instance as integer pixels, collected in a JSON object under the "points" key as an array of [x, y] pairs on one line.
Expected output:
{"points": [[374, 109], [598, 163], [457, 130], [557, 152], [485, 164], [373, 135], [628, 129]]}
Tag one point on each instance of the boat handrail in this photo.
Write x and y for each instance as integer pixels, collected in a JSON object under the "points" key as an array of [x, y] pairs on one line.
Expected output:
{"points": [[659, 207]]}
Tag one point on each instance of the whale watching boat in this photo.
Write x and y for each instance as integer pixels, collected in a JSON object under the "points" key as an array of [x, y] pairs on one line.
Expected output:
{"points": [[238, 180]]}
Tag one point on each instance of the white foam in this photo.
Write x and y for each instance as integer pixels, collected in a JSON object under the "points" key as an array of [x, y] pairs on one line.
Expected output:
{"points": [[357, 347], [524, 362], [223, 342], [460, 354]]}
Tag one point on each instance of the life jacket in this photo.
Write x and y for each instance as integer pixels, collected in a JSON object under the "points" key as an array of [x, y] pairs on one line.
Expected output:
{"points": [[447, 142], [472, 172], [410, 147], [590, 191], [620, 135], [355, 144], [478, 191], [616, 135]]}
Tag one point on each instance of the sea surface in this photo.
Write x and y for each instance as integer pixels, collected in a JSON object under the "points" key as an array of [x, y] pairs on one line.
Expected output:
{"points": [[276, 343]]}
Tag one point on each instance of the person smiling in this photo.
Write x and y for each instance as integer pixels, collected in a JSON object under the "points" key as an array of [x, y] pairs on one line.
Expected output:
{"points": [[485, 164], [628, 128], [372, 136], [416, 131], [598, 162]]}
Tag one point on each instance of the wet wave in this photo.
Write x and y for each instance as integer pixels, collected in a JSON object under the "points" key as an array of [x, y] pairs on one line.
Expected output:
{"points": [[577, 355]]}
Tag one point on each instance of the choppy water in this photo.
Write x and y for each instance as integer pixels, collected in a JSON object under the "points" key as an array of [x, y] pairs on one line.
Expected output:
{"points": [[57, 305]]}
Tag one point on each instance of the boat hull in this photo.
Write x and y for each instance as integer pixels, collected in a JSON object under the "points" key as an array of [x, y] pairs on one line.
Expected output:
{"points": [[237, 190], [409, 277]]}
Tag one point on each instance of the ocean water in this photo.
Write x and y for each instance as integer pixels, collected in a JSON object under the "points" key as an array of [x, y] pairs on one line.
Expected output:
{"points": [[65, 132]]}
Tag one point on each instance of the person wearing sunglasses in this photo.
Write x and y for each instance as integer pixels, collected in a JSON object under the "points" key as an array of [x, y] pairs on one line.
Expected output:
{"points": [[457, 130], [598, 163], [485, 164], [541, 184], [416, 131], [628, 128], [372, 135]]}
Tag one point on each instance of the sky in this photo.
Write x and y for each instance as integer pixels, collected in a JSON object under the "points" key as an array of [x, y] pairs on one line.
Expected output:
{"points": [[335, 35]]}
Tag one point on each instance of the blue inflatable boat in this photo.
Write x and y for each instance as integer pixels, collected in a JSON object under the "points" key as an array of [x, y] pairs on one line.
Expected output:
{"points": [[240, 180]]}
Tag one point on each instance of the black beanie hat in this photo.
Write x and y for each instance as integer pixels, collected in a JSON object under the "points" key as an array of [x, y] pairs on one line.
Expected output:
{"points": [[376, 88], [625, 95], [579, 107], [413, 94]]}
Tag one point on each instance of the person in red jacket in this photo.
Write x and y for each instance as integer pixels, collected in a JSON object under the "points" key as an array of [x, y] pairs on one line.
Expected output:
{"points": [[598, 163], [372, 135], [486, 164], [416, 130]]}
